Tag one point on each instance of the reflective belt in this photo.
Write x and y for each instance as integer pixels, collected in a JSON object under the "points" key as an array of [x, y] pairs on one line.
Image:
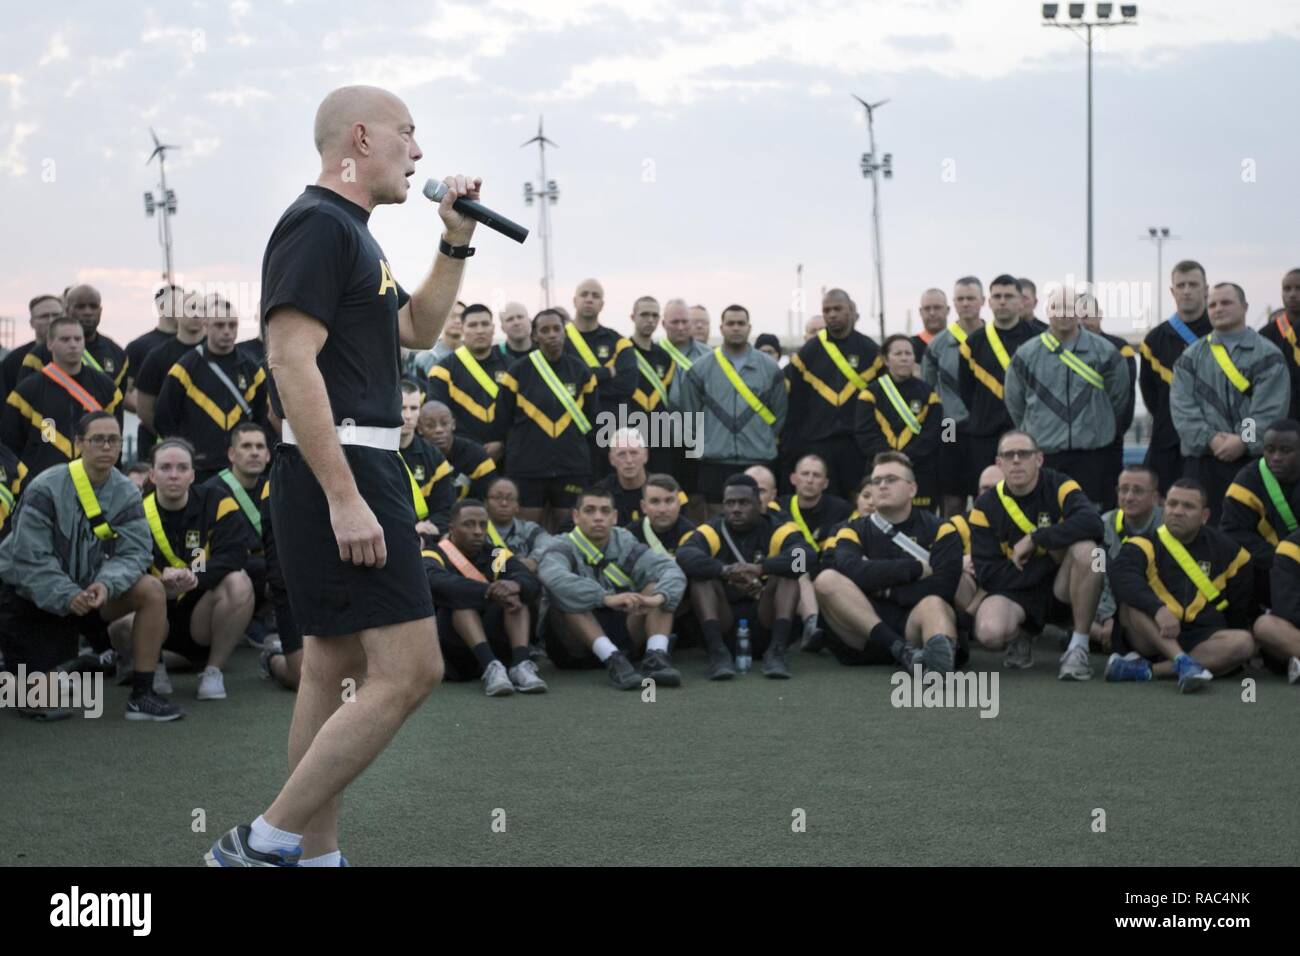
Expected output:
{"points": [[1221, 356], [245, 503], [995, 340], [462, 563], [903, 541], [559, 391], [89, 503], [841, 363], [159, 535], [896, 399], [222, 377], [651, 538], [1275, 495], [958, 333], [1181, 327], [595, 557], [649, 372], [676, 355], [417, 496], [581, 345], [480, 375], [72, 387], [1190, 568], [739, 385], [1075, 364], [495, 535]]}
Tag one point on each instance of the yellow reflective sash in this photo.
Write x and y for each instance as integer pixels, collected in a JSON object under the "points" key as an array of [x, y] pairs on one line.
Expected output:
{"points": [[848, 371], [676, 355], [995, 340], [896, 399], [595, 556], [958, 333], [484, 380], [558, 390], [581, 345], [417, 497], [651, 375], [89, 503], [1013, 510], [159, 535], [738, 384], [1071, 361], [90, 360], [1190, 568], [799, 520], [1221, 356], [1119, 525], [651, 538], [495, 535]]}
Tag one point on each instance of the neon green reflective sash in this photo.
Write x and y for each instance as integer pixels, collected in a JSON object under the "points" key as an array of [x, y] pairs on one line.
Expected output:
{"points": [[1275, 495], [89, 503], [1075, 364], [558, 390], [594, 556], [90, 360], [417, 496], [995, 340], [841, 363], [245, 503], [495, 535], [7, 497], [1013, 511], [651, 375], [1225, 362], [1190, 568], [739, 385], [676, 355], [896, 399], [958, 333], [581, 345], [803, 525], [159, 535], [482, 377], [651, 538]]}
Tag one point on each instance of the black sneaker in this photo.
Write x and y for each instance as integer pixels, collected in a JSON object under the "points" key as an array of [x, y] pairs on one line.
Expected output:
{"points": [[721, 666], [813, 639], [774, 662], [938, 655], [657, 666], [152, 706], [621, 672]]}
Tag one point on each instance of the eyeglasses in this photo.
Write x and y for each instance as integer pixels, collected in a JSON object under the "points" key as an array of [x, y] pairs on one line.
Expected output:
{"points": [[883, 481], [103, 441], [1017, 454]]}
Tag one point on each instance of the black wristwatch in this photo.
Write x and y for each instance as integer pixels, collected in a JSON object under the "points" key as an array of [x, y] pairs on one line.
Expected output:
{"points": [[455, 252]]}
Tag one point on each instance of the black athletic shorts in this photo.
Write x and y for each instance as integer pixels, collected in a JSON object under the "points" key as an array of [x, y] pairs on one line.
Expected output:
{"points": [[1036, 604], [565, 657], [871, 655], [180, 636], [459, 662], [328, 596], [957, 474], [560, 493], [39, 639], [713, 475]]}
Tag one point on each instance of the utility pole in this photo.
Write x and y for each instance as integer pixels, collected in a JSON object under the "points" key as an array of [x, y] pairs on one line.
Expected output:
{"points": [[547, 196], [164, 203], [872, 167]]}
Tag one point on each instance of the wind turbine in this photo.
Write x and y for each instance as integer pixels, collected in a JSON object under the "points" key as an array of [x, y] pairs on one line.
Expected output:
{"points": [[165, 203], [547, 196], [870, 167]]}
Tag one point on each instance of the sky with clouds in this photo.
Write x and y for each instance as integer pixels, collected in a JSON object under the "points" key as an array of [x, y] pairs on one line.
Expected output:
{"points": [[705, 148]]}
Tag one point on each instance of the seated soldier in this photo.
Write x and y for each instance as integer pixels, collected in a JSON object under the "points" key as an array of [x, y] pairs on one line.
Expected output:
{"points": [[9, 486], [1278, 631], [200, 548], [1260, 506], [1033, 538], [662, 525], [525, 539], [766, 487], [281, 655], [607, 596], [889, 596], [78, 557], [817, 515], [628, 457], [472, 469], [1184, 587], [1137, 492], [430, 473], [745, 565], [482, 596]]}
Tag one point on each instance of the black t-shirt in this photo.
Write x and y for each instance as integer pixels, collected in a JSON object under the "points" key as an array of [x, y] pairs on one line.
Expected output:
{"points": [[10, 366], [158, 363], [138, 349], [254, 349], [322, 260]]}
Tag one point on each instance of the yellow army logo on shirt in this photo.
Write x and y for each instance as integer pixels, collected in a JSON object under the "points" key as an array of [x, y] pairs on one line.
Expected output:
{"points": [[419, 472], [853, 361], [498, 375], [193, 540], [602, 351], [915, 406], [1044, 519], [386, 280], [1205, 567], [109, 365], [573, 389]]}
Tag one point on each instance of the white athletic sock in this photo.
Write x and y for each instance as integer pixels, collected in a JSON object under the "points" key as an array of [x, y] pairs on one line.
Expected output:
{"points": [[603, 648], [325, 859], [1077, 640], [266, 839], [657, 642]]}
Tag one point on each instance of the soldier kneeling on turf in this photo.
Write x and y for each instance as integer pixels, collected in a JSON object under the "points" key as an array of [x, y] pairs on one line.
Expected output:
{"points": [[607, 595], [482, 594], [1278, 632], [889, 595], [1183, 587]]}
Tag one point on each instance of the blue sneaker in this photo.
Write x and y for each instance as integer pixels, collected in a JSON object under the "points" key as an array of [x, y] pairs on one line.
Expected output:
{"points": [[232, 849], [1132, 666], [1191, 675]]}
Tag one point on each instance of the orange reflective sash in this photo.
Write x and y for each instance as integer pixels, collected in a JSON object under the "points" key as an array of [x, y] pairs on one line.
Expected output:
{"points": [[462, 563], [70, 385]]}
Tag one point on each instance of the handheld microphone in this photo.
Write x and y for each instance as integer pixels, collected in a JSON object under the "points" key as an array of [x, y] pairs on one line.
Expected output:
{"points": [[434, 191]]}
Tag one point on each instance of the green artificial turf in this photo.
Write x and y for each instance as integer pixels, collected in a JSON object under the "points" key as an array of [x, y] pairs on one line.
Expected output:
{"points": [[707, 774]]}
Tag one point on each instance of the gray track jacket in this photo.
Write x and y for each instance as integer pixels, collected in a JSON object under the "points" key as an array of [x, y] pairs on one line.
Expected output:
{"points": [[733, 432], [573, 585], [1056, 405], [1202, 401]]}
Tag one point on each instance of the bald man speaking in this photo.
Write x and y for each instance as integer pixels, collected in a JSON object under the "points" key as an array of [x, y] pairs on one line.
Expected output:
{"points": [[340, 496]]}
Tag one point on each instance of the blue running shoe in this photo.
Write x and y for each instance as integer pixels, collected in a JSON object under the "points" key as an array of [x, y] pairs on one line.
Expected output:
{"points": [[1191, 675], [233, 850], [1132, 666]]}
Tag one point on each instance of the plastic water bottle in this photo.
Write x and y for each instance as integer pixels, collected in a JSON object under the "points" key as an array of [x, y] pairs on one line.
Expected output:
{"points": [[744, 657]]}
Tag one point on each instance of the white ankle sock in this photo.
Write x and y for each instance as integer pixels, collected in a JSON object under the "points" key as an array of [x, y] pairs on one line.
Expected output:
{"points": [[1078, 640], [267, 839], [603, 648], [325, 859], [657, 642]]}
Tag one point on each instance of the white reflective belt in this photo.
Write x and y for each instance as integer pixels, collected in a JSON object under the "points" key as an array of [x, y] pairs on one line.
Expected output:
{"points": [[370, 436]]}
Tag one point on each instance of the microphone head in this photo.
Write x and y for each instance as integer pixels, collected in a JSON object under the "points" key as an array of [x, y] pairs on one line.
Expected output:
{"points": [[434, 190]]}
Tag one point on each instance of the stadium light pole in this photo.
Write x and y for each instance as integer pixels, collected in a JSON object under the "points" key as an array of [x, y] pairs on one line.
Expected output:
{"points": [[547, 196], [164, 203], [1159, 235], [1128, 14], [872, 165]]}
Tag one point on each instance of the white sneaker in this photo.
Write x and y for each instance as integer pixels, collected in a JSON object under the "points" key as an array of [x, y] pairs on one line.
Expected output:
{"points": [[496, 682], [1075, 665], [526, 680], [1293, 671], [212, 685], [162, 684]]}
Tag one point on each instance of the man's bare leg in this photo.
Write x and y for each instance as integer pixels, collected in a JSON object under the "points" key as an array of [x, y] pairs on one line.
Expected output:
{"points": [[1078, 584], [146, 602], [1222, 653], [1278, 637], [846, 608], [221, 617], [998, 621]]}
